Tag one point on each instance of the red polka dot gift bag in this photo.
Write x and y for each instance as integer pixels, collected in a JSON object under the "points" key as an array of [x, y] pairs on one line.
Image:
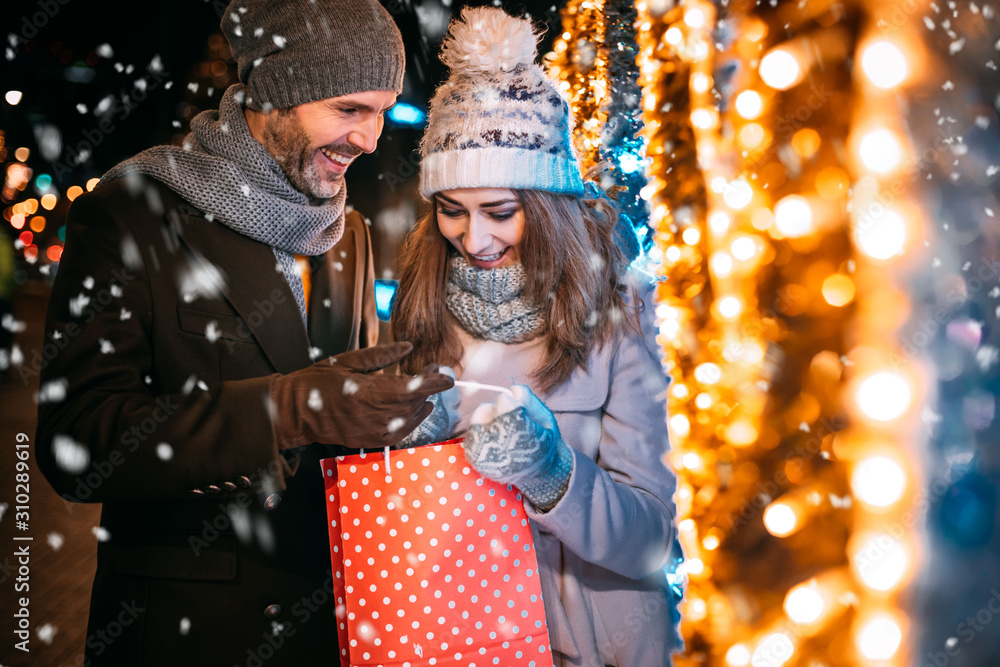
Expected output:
{"points": [[433, 564]]}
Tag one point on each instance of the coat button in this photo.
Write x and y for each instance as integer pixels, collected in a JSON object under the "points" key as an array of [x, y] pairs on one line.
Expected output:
{"points": [[197, 492], [272, 611], [228, 486], [212, 488], [245, 482], [272, 501]]}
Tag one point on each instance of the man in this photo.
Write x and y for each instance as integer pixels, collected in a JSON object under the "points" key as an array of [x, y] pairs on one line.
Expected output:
{"points": [[201, 375]]}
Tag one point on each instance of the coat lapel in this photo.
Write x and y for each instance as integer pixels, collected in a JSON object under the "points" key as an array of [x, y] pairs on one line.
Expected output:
{"points": [[335, 301], [253, 285]]}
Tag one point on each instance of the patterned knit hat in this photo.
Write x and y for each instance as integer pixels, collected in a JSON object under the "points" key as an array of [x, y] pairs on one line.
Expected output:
{"points": [[497, 121], [290, 52]]}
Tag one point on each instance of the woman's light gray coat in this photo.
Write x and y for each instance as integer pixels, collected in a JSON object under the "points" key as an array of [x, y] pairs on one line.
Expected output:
{"points": [[601, 550]]}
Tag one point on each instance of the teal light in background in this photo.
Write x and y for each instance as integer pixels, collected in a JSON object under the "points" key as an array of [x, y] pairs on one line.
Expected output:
{"points": [[385, 295], [43, 182], [407, 114], [62, 233]]}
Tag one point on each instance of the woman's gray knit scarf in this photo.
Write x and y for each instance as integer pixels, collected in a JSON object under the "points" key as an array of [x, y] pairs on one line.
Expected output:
{"points": [[488, 303], [223, 171]]}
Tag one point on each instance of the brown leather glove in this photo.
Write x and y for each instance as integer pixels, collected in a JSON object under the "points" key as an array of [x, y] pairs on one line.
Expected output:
{"points": [[342, 401]]}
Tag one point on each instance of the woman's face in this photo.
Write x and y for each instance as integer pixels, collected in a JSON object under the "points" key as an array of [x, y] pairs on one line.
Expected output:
{"points": [[486, 225]]}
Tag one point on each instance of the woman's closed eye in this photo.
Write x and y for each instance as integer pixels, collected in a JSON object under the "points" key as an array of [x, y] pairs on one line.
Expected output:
{"points": [[499, 216], [502, 215], [451, 212]]}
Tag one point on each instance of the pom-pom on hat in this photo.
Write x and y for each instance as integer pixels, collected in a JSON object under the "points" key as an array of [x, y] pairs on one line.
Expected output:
{"points": [[498, 121], [290, 52]]}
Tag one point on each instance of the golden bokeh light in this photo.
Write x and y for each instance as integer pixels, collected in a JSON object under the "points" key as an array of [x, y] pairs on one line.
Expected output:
{"points": [[781, 519], [804, 604], [884, 64], [738, 655], [878, 637], [780, 69], [879, 561], [884, 396], [738, 194], [806, 142], [878, 481], [838, 290], [832, 183], [880, 233], [793, 216], [880, 151], [749, 104]]}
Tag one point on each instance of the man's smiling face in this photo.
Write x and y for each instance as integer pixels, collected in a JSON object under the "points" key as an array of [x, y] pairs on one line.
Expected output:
{"points": [[316, 142]]}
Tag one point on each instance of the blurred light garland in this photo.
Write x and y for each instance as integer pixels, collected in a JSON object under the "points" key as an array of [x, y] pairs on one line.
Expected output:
{"points": [[594, 60], [790, 411]]}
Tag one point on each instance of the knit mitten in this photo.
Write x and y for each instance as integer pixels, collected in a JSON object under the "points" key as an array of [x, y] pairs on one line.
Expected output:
{"points": [[442, 420], [517, 441]]}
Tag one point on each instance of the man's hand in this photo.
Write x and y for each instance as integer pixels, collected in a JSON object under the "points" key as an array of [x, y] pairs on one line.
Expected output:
{"points": [[343, 401]]}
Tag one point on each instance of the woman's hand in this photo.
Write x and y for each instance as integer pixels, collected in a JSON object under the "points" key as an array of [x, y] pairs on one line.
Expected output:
{"points": [[516, 441], [442, 420]]}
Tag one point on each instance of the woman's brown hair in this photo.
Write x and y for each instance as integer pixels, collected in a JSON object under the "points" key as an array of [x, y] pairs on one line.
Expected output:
{"points": [[571, 262]]}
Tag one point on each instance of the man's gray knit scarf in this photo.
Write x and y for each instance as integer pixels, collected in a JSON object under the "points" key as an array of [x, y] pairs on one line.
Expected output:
{"points": [[488, 303], [223, 171]]}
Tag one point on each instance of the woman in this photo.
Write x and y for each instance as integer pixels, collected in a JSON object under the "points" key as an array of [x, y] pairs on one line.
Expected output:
{"points": [[514, 280]]}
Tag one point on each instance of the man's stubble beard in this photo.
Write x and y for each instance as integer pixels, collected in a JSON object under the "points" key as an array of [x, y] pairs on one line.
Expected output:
{"points": [[287, 142]]}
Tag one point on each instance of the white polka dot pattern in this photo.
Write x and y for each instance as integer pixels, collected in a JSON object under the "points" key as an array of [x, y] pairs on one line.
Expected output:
{"points": [[433, 565]]}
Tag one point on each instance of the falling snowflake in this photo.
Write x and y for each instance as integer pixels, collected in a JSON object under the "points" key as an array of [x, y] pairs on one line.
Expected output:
{"points": [[3, 509], [315, 402], [107, 347], [185, 625], [77, 305], [395, 424], [101, 533], [164, 451], [53, 391], [105, 50], [350, 387], [986, 357], [47, 633], [55, 540], [212, 331], [70, 455]]}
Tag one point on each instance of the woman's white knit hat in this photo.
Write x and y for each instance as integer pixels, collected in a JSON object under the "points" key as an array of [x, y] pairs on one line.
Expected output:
{"points": [[497, 121]]}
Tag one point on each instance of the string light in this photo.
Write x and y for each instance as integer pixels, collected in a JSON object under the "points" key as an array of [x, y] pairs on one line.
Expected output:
{"points": [[749, 104], [780, 69], [880, 151], [793, 216], [879, 637], [804, 604], [883, 396], [881, 234], [878, 481], [884, 64], [781, 519]]}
